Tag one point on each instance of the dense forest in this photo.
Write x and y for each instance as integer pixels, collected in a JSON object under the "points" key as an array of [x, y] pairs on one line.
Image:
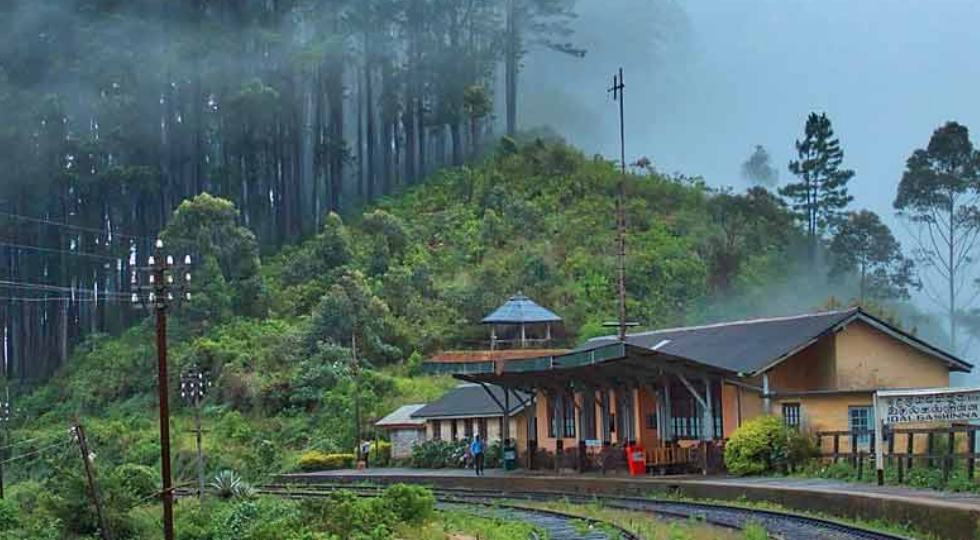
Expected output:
{"points": [[114, 112]]}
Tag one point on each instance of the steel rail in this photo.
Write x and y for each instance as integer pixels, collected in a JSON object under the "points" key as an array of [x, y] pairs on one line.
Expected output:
{"points": [[717, 514]]}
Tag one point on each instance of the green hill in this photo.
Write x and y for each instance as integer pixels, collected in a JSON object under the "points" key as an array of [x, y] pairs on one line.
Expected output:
{"points": [[407, 277]]}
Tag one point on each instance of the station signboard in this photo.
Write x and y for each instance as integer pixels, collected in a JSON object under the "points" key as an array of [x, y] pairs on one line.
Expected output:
{"points": [[922, 406]]}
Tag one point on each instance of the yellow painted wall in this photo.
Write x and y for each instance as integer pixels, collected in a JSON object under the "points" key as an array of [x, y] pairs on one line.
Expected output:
{"points": [[868, 359], [812, 368]]}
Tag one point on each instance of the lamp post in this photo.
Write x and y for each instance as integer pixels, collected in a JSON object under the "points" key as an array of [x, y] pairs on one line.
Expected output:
{"points": [[158, 293], [194, 384]]}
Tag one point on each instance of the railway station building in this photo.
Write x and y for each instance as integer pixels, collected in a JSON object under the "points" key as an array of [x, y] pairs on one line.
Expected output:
{"points": [[675, 395]]}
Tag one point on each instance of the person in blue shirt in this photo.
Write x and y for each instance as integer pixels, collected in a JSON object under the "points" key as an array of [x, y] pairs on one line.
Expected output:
{"points": [[476, 449]]}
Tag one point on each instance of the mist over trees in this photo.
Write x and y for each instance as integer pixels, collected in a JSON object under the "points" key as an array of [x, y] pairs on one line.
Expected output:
{"points": [[938, 197], [111, 113], [759, 170]]}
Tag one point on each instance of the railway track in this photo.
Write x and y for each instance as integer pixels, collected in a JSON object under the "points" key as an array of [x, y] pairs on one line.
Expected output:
{"points": [[780, 525]]}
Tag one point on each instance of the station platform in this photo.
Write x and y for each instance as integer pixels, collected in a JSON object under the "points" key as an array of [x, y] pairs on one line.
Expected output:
{"points": [[943, 514]]}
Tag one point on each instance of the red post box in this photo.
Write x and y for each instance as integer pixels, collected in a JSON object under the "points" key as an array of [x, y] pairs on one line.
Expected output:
{"points": [[636, 458]]}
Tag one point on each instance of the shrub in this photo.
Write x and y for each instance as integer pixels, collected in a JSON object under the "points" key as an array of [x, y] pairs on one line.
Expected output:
{"points": [[318, 461], [229, 485], [8, 515], [762, 444], [138, 481], [439, 454], [380, 453], [411, 504]]}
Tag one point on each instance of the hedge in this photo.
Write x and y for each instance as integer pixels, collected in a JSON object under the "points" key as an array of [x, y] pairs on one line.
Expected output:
{"points": [[314, 460]]}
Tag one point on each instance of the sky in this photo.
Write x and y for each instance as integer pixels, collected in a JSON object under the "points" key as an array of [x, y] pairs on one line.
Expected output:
{"points": [[707, 80]]}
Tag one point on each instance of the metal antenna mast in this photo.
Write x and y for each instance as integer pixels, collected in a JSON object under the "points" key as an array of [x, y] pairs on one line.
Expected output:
{"points": [[617, 91]]}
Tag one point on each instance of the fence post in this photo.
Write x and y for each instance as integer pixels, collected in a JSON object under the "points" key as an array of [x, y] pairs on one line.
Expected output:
{"points": [[891, 447], [930, 447], [910, 449], [854, 450], [901, 470], [836, 447], [860, 466], [948, 460], [971, 461]]}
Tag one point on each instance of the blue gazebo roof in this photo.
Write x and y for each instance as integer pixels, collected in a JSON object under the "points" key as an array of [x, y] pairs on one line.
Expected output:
{"points": [[521, 310]]}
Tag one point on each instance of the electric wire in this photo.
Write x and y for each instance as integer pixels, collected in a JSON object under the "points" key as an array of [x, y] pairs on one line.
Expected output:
{"points": [[44, 287], [61, 251], [36, 452], [45, 221], [25, 442]]}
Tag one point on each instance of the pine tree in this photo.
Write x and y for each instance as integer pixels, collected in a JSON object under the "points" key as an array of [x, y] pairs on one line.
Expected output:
{"points": [[820, 196]]}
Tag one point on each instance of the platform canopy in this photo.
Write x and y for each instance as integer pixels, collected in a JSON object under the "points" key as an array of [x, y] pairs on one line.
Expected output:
{"points": [[520, 309], [599, 366]]}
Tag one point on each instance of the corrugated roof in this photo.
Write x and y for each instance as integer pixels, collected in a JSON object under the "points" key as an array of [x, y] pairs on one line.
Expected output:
{"points": [[755, 345], [471, 400], [491, 356], [520, 309], [403, 417]]}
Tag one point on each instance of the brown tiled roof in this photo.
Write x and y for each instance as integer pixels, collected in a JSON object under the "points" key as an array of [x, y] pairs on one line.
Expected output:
{"points": [[462, 357]]}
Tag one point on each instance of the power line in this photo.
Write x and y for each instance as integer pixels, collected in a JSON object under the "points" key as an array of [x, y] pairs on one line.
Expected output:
{"points": [[59, 299], [31, 441], [36, 452], [61, 251], [43, 287], [45, 221]]}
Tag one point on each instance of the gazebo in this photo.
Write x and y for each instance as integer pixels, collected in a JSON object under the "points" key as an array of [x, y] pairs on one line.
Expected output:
{"points": [[520, 323]]}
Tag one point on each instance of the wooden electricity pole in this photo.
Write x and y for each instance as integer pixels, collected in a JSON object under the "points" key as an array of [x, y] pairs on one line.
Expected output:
{"points": [[617, 91], [193, 386], [161, 292], [93, 485]]}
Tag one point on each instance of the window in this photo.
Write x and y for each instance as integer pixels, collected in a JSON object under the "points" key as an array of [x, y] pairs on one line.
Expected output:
{"points": [[861, 421], [436, 430], [568, 407], [791, 415], [455, 430], [552, 423], [482, 429], [652, 421]]}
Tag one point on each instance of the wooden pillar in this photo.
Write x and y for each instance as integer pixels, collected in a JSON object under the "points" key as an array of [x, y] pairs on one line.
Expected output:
{"points": [[668, 412], [505, 429], [606, 427], [580, 432], [532, 429], [708, 417], [766, 400]]}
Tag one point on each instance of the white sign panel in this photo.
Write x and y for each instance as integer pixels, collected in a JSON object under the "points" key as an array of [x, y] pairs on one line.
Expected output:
{"points": [[941, 405]]}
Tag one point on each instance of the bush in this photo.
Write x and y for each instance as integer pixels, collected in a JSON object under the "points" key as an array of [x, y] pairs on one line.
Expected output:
{"points": [[411, 504], [137, 481], [439, 454], [764, 443], [380, 453], [318, 461]]}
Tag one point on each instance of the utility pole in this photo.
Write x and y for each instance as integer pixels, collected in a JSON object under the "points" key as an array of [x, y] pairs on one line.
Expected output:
{"points": [[617, 91], [356, 376], [159, 297], [93, 485], [194, 384], [4, 420]]}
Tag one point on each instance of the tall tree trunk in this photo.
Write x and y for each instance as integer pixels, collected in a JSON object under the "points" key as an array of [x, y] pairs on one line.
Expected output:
{"points": [[371, 136], [512, 67]]}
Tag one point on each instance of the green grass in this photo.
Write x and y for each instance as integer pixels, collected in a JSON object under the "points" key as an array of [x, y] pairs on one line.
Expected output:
{"points": [[450, 523]]}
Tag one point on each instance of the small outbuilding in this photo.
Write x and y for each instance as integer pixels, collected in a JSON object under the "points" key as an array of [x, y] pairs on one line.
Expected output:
{"points": [[472, 409], [404, 430]]}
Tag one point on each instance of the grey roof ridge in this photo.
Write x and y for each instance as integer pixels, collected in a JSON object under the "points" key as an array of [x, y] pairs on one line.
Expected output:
{"points": [[733, 323]]}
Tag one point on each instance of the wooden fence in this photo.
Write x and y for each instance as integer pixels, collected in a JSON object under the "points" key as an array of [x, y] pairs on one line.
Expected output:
{"points": [[905, 449]]}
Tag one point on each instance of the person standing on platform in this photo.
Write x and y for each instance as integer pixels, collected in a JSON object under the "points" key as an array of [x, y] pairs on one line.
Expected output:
{"points": [[476, 448]]}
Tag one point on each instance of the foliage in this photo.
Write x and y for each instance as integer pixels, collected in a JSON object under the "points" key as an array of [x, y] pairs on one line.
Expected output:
{"points": [[314, 460], [439, 454], [410, 504], [228, 485], [820, 195], [764, 443], [865, 246], [939, 195]]}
